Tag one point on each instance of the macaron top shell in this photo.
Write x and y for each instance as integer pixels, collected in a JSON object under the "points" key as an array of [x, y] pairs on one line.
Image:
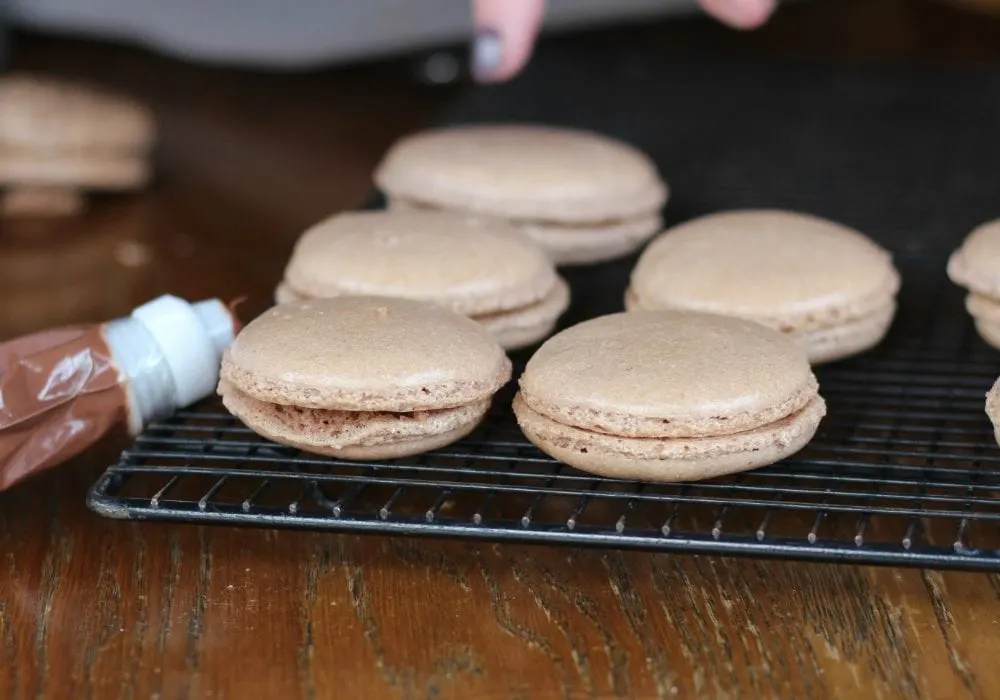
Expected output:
{"points": [[668, 374], [787, 270], [472, 266], [365, 354], [976, 264], [44, 115], [524, 172]]}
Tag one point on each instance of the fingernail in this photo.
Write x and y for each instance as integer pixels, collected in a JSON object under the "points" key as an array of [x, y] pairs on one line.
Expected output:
{"points": [[487, 54]]}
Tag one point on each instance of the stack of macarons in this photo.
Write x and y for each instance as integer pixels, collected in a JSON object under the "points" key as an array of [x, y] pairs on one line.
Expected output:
{"points": [[976, 266], [484, 269], [827, 286], [585, 198], [362, 377], [58, 140]]}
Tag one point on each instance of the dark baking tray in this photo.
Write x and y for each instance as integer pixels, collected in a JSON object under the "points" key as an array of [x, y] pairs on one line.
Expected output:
{"points": [[904, 469]]}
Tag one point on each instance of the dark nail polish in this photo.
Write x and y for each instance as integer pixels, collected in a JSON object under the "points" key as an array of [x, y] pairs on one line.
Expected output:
{"points": [[487, 54]]}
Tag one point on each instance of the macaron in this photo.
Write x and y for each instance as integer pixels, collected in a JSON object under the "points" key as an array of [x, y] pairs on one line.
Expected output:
{"points": [[58, 139], [584, 197], [976, 266], [827, 286], [993, 408], [482, 268], [668, 396], [362, 377]]}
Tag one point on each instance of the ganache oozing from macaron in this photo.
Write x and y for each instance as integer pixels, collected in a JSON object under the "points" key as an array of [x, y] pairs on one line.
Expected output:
{"points": [[826, 285], [583, 196], [362, 377], [668, 396]]}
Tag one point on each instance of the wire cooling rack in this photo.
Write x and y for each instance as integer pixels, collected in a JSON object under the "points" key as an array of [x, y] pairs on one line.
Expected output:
{"points": [[904, 469]]}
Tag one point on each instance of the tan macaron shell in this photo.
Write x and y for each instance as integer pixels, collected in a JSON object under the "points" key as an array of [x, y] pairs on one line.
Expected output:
{"points": [[514, 330], [354, 434], [575, 244], [42, 115], [791, 271], [98, 172], [523, 172], [583, 245], [365, 354], [983, 308], [993, 408], [682, 459], [666, 374], [848, 338], [469, 265], [530, 324], [985, 311], [976, 264]]}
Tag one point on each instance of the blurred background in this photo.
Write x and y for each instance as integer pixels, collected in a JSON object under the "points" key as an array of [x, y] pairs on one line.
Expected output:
{"points": [[272, 116]]}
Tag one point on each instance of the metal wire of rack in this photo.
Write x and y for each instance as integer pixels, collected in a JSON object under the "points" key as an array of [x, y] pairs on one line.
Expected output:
{"points": [[904, 469]]}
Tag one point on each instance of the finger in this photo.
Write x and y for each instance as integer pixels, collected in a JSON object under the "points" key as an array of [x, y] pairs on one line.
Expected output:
{"points": [[505, 36], [741, 14]]}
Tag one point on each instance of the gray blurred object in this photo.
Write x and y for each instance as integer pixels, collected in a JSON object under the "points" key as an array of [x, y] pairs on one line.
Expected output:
{"points": [[300, 33]]}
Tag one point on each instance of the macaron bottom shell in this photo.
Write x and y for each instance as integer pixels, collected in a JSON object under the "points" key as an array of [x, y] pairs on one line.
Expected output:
{"points": [[670, 459], [993, 408], [574, 244], [97, 170], [989, 332], [354, 435], [848, 338], [985, 312], [586, 245]]}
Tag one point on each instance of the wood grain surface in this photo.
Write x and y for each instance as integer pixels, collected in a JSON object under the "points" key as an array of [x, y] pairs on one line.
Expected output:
{"points": [[93, 608]]}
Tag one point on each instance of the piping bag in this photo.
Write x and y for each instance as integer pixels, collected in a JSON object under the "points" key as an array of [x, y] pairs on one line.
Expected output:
{"points": [[64, 389]]}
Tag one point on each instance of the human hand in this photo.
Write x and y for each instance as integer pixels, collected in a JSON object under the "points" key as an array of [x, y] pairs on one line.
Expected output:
{"points": [[506, 30]]}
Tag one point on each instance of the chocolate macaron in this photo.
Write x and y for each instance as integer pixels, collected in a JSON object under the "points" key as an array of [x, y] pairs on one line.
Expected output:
{"points": [[362, 377], [668, 396], [976, 266], [826, 285], [59, 139], [584, 197], [484, 269]]}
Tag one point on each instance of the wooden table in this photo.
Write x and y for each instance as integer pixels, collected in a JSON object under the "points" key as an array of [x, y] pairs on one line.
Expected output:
{"points": [[92, 608]]}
